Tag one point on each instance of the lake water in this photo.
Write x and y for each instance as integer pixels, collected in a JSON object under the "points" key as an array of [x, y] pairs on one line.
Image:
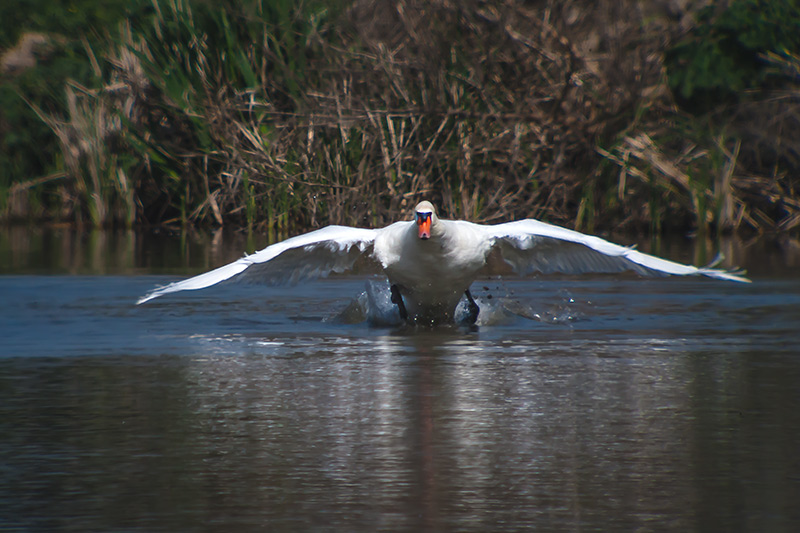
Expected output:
{"points": [[588, 403]]}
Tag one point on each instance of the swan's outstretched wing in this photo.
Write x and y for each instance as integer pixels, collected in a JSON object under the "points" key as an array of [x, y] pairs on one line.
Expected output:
{"points": [[330, 249], [531, 245]]}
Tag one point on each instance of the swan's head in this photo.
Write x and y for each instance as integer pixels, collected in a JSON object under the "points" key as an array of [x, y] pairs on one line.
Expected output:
{"points": [[425, 216]]}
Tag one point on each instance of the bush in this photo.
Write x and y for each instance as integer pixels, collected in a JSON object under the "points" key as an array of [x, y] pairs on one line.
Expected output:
{"points": [[726, 52], [65, 32]]}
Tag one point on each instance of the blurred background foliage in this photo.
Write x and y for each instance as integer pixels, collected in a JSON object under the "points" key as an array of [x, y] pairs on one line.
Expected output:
{"points": [[731, 49], [284, 116], [44, 44]]}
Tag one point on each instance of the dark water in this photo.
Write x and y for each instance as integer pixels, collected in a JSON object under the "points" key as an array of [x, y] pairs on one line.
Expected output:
{"points": [[614, 403]]}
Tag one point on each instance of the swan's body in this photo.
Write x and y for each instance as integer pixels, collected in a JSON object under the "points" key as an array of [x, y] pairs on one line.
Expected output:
{"points": [[431, 262]]}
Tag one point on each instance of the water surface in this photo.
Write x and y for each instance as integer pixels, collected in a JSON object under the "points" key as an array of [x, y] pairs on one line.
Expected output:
{"points": [[596, 402]]}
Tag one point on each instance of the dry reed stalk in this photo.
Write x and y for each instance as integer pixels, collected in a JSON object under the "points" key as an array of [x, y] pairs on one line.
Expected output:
{"points": [[493, 111]]}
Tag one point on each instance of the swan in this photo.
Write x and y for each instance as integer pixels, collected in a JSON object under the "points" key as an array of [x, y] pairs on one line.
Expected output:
{"points": [[431, 262]]}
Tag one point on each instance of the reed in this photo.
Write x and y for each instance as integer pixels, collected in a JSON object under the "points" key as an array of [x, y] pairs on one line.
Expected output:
{"points": [[283, 116]]}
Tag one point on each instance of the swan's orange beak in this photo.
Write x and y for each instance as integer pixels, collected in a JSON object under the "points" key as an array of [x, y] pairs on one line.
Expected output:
{"points": [[424, 224]]}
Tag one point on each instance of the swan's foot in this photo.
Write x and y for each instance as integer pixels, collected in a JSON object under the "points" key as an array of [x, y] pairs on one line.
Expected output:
{"points": [[472, 309], [397, 299]]}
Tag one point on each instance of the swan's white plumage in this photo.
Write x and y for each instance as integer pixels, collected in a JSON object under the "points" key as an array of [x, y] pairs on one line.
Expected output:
{"points": [[432, 274], [317, 253], [530, 245]]}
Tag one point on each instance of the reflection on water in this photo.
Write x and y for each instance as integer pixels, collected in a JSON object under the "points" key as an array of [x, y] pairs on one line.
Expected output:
{"points": [[32, 250], [619, 404], [64, 250]]}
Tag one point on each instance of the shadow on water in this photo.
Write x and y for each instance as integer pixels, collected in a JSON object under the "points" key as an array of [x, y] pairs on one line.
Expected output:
{"points": [[604, 402]]}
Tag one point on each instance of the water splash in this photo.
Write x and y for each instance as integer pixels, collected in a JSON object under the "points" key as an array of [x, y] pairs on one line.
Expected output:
{"points": [[374, 306]]}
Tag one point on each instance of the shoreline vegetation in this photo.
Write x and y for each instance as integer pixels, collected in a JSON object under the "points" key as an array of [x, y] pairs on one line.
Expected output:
{"points": [[284, 116]]}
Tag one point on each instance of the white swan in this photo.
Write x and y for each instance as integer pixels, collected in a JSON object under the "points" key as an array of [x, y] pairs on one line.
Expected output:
{"points": [[432, 262]]}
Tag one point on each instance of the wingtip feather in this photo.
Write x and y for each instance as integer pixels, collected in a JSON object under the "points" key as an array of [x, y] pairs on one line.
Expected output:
{"points": [[146, 298], [152, 295], [732, 275]]}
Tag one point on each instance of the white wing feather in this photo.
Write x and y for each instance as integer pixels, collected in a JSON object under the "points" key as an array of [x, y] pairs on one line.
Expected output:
{"points": [[530, 245], [330, 249]]}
